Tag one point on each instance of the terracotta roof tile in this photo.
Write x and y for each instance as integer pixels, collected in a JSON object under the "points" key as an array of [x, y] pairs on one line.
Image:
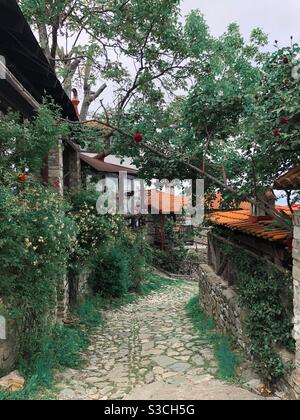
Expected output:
{"points": [[240, 220], [216, 202], [165, 202]]}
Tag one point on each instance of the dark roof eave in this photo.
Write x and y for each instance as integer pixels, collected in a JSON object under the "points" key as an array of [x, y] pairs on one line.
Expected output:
{"points": [[26, 60], [101, 166]]}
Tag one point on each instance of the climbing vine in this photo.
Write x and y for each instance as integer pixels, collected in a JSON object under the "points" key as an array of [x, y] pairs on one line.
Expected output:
{"points": [[266, 295]]}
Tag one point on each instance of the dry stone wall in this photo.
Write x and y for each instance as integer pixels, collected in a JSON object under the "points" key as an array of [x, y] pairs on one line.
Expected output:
{"points": [[220, 302], [294, 379]]}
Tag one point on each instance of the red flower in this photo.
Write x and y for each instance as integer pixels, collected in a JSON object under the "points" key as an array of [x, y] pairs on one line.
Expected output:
{"points": [[277, 132], [287, 82], [55, 183], [284, 120], [22, 178], [138, 138]]}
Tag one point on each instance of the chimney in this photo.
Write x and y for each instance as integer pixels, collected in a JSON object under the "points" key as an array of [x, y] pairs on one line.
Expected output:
{"points": [[260, 213], [75, 101]]}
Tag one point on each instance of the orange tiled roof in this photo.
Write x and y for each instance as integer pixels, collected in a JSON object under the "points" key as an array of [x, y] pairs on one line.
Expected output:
{"points": [[241, 220], [216, 203], [165, 202]]}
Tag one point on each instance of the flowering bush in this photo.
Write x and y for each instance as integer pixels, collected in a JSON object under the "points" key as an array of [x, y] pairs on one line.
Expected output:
{"points": [[37, 239], [27, 143], [105, 244], [94, 230]]}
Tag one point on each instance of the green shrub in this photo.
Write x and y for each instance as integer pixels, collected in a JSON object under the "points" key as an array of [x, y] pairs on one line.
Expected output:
{"points": [[95, 231], [59, 349], [110, 276], [36, 240], [266, 295], [89, 312], [173, 256], [139, 254]]}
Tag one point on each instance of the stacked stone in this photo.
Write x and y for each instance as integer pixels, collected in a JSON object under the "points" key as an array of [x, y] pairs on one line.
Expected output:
{"points": [[220, 301], [55, 168], [296, 277]]}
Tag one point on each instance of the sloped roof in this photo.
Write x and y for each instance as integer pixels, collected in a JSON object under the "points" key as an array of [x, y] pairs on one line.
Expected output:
{"points": [[101, 166], [28, 64], [216, 202], [240, 220], [289, 181]]}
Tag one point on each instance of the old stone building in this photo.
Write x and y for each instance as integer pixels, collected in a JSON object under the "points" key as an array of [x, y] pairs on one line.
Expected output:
{"points": [[274, 247], [26, 79], [291, 182]]}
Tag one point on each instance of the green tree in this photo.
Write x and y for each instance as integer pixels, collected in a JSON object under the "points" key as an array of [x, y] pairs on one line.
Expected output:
{"points": [[243, 106], [138, 45]]}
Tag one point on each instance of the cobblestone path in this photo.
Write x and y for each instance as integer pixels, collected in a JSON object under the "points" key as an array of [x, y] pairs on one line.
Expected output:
{"points": [[148, 350]]}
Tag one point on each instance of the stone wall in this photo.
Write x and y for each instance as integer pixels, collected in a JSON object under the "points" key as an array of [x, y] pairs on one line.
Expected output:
{"points": [[72, 289], [72, 166], [8, 348], [294, 380], [220, 302], [55, 174]]}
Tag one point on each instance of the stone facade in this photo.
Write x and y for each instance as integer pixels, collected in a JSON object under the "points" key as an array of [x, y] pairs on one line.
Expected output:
{"points": [[8, 345], [55, 175], [71, 166], [72, 289], [62, 299], [220, 302], [294, 379], [8, 348]]}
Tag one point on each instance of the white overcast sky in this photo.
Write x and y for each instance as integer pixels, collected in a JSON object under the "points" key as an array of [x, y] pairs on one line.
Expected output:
{"points": [[278, 18]]}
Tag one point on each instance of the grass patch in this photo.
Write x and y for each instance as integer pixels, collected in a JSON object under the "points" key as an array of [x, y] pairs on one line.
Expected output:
{"points": [[59, 350], [228, 360], [89, 312], [153, 283]]}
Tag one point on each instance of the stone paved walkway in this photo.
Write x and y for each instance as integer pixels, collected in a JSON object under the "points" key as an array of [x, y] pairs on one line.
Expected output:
{"points": [[148, 350]]}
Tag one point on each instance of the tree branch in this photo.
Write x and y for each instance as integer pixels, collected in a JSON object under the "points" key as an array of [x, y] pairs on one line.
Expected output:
{"points": [[259, 203]]}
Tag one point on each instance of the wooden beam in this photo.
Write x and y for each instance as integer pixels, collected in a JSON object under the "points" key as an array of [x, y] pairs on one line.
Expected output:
{"points": [[14, 82], [264, 260]]}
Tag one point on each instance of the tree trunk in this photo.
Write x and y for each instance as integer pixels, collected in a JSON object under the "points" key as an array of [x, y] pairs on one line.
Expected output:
{"points": [[43, 37]]}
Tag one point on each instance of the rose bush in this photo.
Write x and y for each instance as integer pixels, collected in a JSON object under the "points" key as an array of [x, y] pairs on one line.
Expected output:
{"points": [[36, 241]]}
